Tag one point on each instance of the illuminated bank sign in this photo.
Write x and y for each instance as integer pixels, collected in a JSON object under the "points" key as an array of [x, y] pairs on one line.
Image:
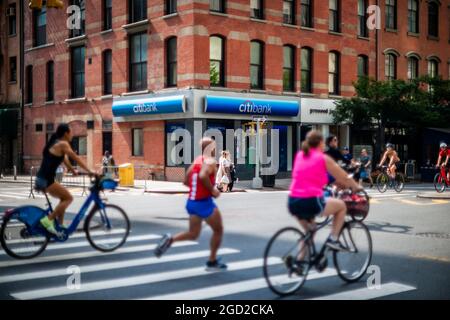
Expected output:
{"points": [[244, 106], [148, 106]]}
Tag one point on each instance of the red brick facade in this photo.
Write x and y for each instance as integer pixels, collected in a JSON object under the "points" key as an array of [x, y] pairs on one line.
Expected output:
{"points": [[193, 25]]}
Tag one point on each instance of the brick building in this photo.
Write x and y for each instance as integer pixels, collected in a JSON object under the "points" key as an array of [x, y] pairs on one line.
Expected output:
{"points": [[10, 84], [134, 71]]}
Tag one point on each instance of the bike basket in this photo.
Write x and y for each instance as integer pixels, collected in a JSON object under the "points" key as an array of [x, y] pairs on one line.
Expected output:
{"points": [[108, 184], [357, 204]]}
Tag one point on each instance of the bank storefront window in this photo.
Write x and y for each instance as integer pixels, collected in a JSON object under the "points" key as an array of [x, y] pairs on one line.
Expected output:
{"points": [[178, 144]]}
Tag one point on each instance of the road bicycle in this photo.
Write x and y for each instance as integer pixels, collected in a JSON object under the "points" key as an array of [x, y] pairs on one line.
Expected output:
{"points": [[297, 253], [106, 226], [440, 180], [385, 181]]}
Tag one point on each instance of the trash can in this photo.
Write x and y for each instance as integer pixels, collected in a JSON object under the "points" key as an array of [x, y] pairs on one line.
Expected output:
{"points": [[126, 175], [268, 181]]}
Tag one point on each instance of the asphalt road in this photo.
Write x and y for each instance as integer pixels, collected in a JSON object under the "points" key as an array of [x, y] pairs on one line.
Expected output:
{"points": [[411, 246]]}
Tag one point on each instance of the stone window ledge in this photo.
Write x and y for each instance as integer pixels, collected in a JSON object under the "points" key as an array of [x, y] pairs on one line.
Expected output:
{"points": [[308, 28], [76, 41], [136, 27], [132, 93], [104, 32], [170, 15], [47, 45], [75, 100]]}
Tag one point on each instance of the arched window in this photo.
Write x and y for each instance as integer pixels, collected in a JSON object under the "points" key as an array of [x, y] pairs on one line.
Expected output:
{"points": [[171, 60], [107, 72], [257, 65], [288, 68], [390, 68], [217, 61], [433, 68], [333, 72], [50, 81], [306, 69], [363, 66], [433, 19], [413, 68]]}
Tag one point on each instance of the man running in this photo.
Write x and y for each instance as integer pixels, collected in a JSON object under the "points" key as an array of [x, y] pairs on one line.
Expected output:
{"points": [[393, 160], [444, 153], [200, 179]]}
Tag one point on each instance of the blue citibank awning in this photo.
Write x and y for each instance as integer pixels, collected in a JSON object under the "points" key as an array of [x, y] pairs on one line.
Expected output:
{"points": [[246, 106], [148, 106]]}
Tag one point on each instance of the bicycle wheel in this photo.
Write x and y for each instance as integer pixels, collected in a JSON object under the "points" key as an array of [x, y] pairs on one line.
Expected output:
{"points": [[107, 229], [18, 241], [283, 273], [382, 182], [352, 264], [439, 183], [399, 182]]}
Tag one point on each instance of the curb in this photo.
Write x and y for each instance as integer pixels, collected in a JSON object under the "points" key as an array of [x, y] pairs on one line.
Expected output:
{"points": [[183, 192], [435, 196]]}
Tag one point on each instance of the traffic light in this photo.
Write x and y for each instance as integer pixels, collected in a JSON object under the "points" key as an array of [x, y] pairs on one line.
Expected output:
{"points": [[55, 4], [35, 4]]}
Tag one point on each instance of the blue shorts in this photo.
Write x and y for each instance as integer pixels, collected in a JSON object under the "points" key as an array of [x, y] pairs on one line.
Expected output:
{"points": [[202, 208]]}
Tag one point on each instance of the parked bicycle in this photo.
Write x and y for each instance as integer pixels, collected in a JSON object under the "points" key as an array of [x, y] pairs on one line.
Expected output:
{"points": [[385, 181], [297, 253], [441, 182], [106, 226]]}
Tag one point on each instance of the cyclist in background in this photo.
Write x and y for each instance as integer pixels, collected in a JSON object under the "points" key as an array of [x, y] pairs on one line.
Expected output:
{"points": [[309, 176], [393, 160], [56, 151], [444, 152], [200, 179]]}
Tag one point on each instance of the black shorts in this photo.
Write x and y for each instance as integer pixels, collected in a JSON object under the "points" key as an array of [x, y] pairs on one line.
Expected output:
{"points": [[306, 208], [41, 184]]}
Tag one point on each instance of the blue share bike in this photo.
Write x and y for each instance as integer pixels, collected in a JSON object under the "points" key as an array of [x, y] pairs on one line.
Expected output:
{"points": [[106, 226]]}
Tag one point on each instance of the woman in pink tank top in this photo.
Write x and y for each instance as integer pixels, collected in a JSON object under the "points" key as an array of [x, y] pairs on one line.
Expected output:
{"points": [[309, 177]]}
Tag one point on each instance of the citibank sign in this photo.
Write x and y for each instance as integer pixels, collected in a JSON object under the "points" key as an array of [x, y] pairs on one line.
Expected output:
{"points": [[149, 106], [232, 105]]}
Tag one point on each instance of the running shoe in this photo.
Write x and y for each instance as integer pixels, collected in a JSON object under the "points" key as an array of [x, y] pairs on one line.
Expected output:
{"points": [[163, 245]]}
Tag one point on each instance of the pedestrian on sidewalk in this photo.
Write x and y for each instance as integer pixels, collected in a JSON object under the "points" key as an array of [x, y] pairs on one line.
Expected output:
{"points": [[222, 179], [366, 167], [108, 164], [200, 206]]}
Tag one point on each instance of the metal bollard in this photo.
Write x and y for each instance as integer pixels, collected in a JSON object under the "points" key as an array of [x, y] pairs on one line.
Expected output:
{"points": [[15, 172]]}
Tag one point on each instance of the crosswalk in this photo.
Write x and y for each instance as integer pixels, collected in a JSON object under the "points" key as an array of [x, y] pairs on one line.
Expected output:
{"points": [[133, 272]]}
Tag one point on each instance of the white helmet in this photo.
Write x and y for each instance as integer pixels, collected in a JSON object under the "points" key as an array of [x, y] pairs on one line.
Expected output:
{"points": [[443, 145]]}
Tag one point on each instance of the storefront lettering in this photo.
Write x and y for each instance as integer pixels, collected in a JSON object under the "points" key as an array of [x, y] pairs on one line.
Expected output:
{"points": [[325, 111], [145, 108], [250, 107]]}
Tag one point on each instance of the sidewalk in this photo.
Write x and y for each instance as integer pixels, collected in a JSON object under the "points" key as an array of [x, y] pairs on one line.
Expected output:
{"points": [[434, 195]]}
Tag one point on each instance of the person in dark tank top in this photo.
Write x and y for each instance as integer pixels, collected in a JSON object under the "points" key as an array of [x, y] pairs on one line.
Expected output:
{"points": [[57, 151]]}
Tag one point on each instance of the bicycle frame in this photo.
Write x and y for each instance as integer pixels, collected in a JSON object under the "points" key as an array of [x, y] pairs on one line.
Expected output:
{"points": [[443, 173]]}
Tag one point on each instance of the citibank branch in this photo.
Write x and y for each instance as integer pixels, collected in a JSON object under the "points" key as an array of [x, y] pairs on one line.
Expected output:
{"points": [[166, 128]]}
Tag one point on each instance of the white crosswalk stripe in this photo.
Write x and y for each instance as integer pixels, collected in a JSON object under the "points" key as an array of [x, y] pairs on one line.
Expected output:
{"points": [[123, 274]]}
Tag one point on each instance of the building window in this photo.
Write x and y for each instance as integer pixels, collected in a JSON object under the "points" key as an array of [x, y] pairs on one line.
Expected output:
{"points": [[216, 61], [175, 155], [217, 5], [82, 30], [362, 18], [138, 10], [13, 69], [333, 73], [288, 68], [29, 84], [307, 13], [390, 67], [39, 127], [107, 14], [257, 9], [391, 14], [257, 65], [40, 27], [171, 6], [363, 66], [289, 11], [137, 142], [413, 16], [77, 70], [334, 23], [12, 19], [138, 62], [433, 71], [433, 19], [413, 68], [172, 62], [107, 72], [79, 145], [50, 81], [306, 66]]}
